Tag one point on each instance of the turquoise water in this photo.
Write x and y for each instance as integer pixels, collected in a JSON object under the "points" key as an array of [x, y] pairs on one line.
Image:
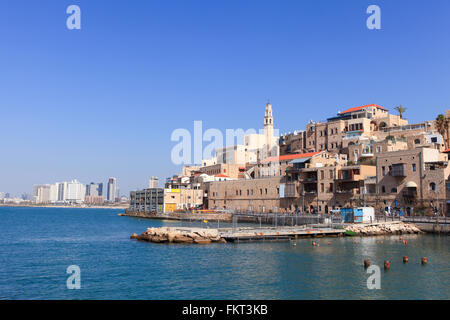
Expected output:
{"points": [[38, 244]]}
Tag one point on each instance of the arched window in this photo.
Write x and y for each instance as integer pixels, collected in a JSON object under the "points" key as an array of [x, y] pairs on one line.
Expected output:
{"points": [[417, 141], [432, 186]]}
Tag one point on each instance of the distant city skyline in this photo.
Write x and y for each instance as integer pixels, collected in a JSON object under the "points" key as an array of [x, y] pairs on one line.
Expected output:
{"points": [[103, 101]]}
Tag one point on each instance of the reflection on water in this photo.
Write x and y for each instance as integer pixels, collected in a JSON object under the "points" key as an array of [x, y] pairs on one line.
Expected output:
{"points": [[37, 245]]}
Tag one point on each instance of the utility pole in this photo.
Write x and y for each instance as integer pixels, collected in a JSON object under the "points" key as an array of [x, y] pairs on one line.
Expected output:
{"points": [[303, 201]]}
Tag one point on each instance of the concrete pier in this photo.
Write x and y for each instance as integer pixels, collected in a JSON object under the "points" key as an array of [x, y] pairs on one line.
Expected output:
{"points": [[250, 234]]}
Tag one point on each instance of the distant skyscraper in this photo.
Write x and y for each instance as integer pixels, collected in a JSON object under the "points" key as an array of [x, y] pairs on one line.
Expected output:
{"points": [[62, 190], [76, 191], [94, 189], [26, 196], [112, 190], [153, 182]]}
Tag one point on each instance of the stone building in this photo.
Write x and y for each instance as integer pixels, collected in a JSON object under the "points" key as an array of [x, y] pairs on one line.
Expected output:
{"points": [[276, 166], [321, 189], [414, 180], [258, 195], [348, 127], [235, 171]]}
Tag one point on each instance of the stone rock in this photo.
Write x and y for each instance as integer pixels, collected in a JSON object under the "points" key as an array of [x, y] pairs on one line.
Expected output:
{"points": [[159, 239], [200, 240], [179, 238], [144, 237], [134, 236]]}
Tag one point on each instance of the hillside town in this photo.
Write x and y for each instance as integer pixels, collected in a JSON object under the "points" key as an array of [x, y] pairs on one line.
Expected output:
{"points": [[362, 156]]}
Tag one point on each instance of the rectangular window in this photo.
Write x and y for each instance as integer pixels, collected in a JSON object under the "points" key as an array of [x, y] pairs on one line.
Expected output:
{"points": [[414, 167], [383, 170]]}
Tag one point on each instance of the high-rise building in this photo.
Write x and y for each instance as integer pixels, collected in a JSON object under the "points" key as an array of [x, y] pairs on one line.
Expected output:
{"points": [[25, 196], [112, 190], [41, 193], [62, 190], [1, 196], [53, 193], [94, 189], [76, 191], [153, 182]]}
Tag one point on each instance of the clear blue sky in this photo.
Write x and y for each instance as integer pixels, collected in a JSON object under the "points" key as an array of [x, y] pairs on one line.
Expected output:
{"points": [[103, 101]]}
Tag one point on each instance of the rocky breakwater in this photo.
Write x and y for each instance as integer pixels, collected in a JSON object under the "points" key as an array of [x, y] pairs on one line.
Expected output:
{"points": [[180, 235], [383, 229]]}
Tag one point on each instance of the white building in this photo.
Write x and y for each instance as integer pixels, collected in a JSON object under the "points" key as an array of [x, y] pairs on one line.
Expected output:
{"points": [[153, 182], [112, 190], [41, 193], [53, 193], [76, 191]]}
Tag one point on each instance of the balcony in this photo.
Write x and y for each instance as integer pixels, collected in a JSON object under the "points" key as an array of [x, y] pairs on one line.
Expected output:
{"points": [[290, 190], [397, 170]]}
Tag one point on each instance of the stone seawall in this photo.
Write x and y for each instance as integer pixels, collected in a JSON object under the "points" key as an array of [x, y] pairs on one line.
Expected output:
{"points": [[434, 227], [222, 217], [384, 228], [179, 235]]}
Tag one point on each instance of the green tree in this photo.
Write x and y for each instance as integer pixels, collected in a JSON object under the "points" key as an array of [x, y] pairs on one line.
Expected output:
{"points": [[401, 110], [441, 125]]}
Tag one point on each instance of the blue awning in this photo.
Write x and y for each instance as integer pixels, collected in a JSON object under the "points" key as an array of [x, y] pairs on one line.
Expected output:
{"points": [[300, 160]]}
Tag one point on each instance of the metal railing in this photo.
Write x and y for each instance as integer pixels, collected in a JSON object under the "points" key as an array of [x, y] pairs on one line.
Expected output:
{"points": [[288, 220]]}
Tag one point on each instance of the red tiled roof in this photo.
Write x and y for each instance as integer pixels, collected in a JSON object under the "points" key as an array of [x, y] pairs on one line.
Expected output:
{"points": [[362, 107], [291, 157], [445, 151], [221, 175]]}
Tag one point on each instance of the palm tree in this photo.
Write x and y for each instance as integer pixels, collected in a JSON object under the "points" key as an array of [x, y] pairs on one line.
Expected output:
{"points": [[401, 110], [441, 125]]}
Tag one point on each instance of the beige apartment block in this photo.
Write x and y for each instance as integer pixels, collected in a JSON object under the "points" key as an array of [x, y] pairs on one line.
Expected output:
{"points": [[367, 150], [404, 131], [180, 199], [256, 195], [292, 143], [235, 171], [345, 129], [235, 154], [277, 166], [188, 171]]}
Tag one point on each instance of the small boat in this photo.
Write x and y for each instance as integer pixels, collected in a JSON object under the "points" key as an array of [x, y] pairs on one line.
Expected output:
{"points": [[350, 233]]}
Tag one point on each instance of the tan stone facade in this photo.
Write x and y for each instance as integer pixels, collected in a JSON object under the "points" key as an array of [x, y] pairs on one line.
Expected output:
{"points": [[277, 166], [326, 188], [414, 180], [232, 170], [258, 195]]}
